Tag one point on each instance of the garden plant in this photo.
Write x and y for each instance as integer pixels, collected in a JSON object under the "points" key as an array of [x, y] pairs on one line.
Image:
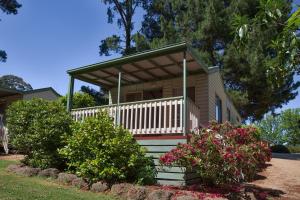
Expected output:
{"points": [[221, 154], [97, 150]]}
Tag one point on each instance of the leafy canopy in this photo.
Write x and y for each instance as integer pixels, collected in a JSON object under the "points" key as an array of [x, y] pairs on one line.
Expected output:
{"points": [[80, 100], [282, 128], [100, 97], [14, 82]]}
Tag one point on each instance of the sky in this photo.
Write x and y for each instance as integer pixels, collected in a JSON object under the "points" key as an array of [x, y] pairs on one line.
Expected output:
{"points": [[48, 37]]}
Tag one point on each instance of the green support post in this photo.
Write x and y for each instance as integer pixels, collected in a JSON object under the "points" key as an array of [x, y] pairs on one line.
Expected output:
{"points": [[70, 94], [118, 102], [184, 116]]}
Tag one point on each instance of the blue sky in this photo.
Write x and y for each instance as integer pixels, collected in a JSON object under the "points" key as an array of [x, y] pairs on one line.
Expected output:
{"points": [[48, 37]]}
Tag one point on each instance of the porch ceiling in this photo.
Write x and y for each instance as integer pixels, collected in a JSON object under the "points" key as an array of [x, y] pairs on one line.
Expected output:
{"points": [[157, 64]]}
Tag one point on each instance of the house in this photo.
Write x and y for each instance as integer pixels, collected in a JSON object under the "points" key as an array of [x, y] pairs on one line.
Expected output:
{"points": [[7, 96], [160, 95]]}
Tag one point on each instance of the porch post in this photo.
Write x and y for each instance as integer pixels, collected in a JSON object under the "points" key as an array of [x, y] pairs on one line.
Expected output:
{"points": [[184, 116], [118, 101], [70, 94]]}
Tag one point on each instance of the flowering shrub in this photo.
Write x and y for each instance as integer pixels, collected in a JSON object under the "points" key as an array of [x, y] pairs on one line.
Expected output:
{"points": [[221, 153]]}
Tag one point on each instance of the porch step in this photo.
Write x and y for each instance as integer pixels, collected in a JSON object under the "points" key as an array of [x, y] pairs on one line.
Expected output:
{"points": [[176, 175]]}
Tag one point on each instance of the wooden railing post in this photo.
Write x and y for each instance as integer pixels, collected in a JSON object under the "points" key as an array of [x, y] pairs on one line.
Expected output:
{"points": [[70, 94], [118, 113], [184, 116]]}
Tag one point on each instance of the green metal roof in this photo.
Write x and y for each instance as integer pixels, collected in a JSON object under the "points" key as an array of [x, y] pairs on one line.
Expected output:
{"points": [[182, 46]]}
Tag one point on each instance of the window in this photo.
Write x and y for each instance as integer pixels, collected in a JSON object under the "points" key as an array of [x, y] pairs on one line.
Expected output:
{"points": [[218, 109], [228, 115]]}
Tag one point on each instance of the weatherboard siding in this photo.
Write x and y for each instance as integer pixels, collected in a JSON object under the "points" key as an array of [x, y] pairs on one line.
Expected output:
{"points": [[216, 87], [47, 94]]}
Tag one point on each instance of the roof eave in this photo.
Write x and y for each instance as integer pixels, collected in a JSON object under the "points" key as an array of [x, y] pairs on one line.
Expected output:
{"points": [[132, 58]]}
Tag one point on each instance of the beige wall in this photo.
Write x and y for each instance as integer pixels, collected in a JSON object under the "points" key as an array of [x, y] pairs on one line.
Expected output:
{"points": [[206, 88], [216, 87], [47, 95], [199, 81]]}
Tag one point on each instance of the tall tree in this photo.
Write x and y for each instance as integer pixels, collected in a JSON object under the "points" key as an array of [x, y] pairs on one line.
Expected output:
{"points": [[100, 97], [14, 82], [8, 7], [259, 76], [124, 11]]}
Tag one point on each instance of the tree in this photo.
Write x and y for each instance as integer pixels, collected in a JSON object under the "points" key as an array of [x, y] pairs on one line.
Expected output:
{"points": [[125, 10], [256, 70], [8, 7], [80, 100], [271, 130], [291, 125], [283, 128], [14, 82], [262, 59], [100, 97]]}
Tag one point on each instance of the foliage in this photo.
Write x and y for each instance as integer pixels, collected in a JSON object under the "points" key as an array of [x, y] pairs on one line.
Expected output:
{"points": [[14, 82], [294, 149], [125, 11], [291, 125], [221, 154], [271, 130], [36, 127], [279, 148], [80, 100], [100, 97], [98, 150], [8, 7], [282, 128]]}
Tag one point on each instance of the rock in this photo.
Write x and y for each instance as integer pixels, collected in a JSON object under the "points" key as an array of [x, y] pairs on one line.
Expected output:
{"points": [[13, 167], [66, 178], [51, 172], [27, 171], [121, 189], [160, 195], [186, 197], [99, 187], [80, 183], [137, 193]]}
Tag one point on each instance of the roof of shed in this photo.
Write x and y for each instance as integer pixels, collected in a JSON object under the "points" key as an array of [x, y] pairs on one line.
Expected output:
{"points": [[156, 64]]}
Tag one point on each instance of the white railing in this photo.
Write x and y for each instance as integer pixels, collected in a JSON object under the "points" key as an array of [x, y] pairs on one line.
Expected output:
{"points": [[193, 111], [159, 116]]}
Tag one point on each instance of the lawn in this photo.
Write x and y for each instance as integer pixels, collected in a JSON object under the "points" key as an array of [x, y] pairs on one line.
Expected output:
{"points": [[13, 187]]}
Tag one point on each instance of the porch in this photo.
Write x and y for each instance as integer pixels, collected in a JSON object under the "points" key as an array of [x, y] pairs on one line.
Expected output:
{"points": [[157, 116], [142, 96]]}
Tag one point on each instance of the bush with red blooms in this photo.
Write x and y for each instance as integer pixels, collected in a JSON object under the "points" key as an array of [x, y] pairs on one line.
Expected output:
{"points": [[221, 153]]}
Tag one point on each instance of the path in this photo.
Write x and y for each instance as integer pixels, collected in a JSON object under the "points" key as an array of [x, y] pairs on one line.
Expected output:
{"points": [[282, 176]]}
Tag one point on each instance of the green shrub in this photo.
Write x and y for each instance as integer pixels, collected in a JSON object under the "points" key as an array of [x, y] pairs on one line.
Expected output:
{"points": [[279, 149], [294, 149], [80, 100], [35, 128], [99, 151]]}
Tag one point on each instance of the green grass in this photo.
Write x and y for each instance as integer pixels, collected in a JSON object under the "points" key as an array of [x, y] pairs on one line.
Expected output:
{"points": [[15, 187]]}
